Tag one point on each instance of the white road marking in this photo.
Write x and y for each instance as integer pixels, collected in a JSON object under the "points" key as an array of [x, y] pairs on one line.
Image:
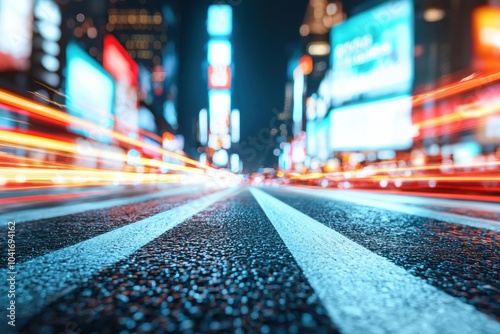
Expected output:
{"points": [[362, 291], [357, 198], [44, 279], [43, 213]]}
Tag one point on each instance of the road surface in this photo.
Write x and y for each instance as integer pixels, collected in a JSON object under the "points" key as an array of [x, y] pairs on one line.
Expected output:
{"points": [[255, 259]]}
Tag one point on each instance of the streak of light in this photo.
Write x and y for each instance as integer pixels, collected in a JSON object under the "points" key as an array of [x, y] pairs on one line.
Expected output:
{"points": [[14, 120], [459, 115], [493, 177], [50, 187], [448, 167], [467, 83], [82, 177], [489, 178], [58, 145], [471, 180], [50, 197], [53, 90], [53, 114], [47, 99], [23, 161]]}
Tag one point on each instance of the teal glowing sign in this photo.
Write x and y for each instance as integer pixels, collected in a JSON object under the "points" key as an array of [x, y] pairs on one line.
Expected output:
{"points": [[372, 53]]}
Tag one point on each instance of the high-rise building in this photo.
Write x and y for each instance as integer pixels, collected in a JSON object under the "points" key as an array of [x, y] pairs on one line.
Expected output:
{"points": [[141, 27]]}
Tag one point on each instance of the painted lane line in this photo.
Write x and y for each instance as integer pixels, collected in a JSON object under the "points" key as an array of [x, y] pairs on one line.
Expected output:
{"points": [[362, 291], [44, 279], [44, 213], [404, 208]]}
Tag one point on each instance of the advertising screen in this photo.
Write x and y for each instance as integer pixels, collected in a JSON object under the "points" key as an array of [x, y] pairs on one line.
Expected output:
{"points": [[311, 144], [219, 109], [322, 134], [90, 91], [126, 72], [145, 84], [220, 19], [16, 26], [219, 77], [219, 52], [299, 148], [372, 54], [383, 124], [486, 38]]}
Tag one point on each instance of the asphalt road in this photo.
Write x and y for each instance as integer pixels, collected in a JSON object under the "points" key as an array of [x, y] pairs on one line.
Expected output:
{"points": [[255, 260]]}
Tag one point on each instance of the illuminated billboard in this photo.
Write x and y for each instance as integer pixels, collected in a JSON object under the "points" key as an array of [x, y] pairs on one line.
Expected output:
{"points": [[383, 124], [322, 139], [372, 54], [486, 38], [219, 77], [16, 26], [90, 91], [220, 109], [220, 20], [311, 143], [219, 52], [299, 148], [126, 72]]}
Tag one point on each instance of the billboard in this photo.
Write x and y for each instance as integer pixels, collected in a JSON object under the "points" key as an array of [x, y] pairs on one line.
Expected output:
{"points": [[90, 91], [220, 109], [16, 27], [299, 148], [126, 72], [219, 77], [311, 143], [486, 38], [384, 124], [322, 135], [220, 20], [219, 52], [372, 54]]}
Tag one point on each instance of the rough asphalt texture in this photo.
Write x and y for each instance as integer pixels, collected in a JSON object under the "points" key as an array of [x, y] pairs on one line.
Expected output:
{"points": [[226, 270], [43, 236], [463, 261]]}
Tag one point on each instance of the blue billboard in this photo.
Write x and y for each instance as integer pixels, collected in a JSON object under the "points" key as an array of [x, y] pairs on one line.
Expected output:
{"points": [[372, 53], [220, 20]]}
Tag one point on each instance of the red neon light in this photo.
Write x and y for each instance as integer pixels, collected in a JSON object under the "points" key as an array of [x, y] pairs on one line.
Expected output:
{"points": [[219, 77], [118, 63]]}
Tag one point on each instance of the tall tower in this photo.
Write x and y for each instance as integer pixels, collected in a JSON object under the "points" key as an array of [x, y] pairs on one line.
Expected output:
{"points": [[223, 123]]}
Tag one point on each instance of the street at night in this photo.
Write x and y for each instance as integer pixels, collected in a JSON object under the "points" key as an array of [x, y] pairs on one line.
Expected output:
{"points": [[259, 259], [250, 166]]}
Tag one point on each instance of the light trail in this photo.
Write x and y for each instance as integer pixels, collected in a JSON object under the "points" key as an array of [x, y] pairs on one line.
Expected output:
{"points": [[470, 82], [463, 113], [51, 197], [75, 176], [49, 113], [58, 145], [359, 173]]}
